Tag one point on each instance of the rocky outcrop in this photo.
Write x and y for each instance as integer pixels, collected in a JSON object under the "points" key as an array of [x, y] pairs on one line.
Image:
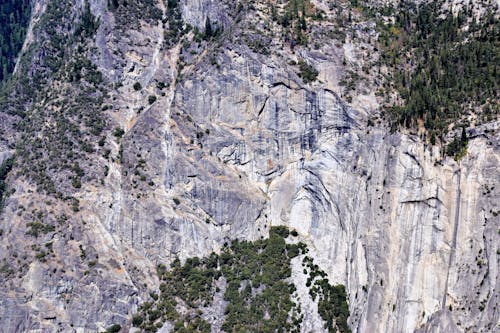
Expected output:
{"points": [[235, 143]]}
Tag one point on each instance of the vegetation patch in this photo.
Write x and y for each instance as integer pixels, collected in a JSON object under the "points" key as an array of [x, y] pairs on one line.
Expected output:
{"points": [[258, 292], [5, 168], [129, 14], [458, 146], [307, 72], [58, 95], [293, 18], [37, 228], [14, 20], [444, 65], [175, 23], [332, 300]]}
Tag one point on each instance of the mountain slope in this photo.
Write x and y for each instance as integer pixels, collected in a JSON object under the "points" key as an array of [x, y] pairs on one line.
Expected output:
{"points": [[146, 131]]}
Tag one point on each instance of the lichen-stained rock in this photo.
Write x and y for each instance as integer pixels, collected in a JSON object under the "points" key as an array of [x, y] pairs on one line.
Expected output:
{"points": [[213, 139]]}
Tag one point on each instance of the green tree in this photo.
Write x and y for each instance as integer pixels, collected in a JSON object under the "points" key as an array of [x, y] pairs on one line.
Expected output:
{"points": [[14, 20], [208, 29]]}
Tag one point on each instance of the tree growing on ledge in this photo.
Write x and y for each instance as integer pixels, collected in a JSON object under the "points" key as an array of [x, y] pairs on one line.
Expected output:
{"points": [[458, 147], [211, 30], [208, 29]]}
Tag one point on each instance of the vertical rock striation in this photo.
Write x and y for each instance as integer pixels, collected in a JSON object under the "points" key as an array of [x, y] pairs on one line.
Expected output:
{"points": [[235, 143]]}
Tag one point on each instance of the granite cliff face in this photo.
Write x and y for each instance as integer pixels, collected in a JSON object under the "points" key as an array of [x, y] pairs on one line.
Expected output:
{"points": [[234, 142]]}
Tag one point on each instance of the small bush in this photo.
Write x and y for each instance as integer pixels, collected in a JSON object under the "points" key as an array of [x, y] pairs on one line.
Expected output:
{"points": [[281, 231], [307, 72], [137, 320], [36, 228], [114, 328], [118, 132]]}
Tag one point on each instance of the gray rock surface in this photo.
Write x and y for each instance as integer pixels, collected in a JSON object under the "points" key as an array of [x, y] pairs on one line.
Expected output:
{"points": [[413, 236]]}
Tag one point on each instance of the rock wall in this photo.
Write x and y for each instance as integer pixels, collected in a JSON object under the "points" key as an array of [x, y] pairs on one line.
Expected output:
{"points": [[239, 143]]}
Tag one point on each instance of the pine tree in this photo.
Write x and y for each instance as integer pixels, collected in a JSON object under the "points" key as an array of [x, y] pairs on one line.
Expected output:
{"points": [[208, 29], [463, 137]]}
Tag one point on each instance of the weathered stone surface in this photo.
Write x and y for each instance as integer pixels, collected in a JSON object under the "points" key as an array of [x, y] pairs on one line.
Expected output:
{"points": [[412, 235]]}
